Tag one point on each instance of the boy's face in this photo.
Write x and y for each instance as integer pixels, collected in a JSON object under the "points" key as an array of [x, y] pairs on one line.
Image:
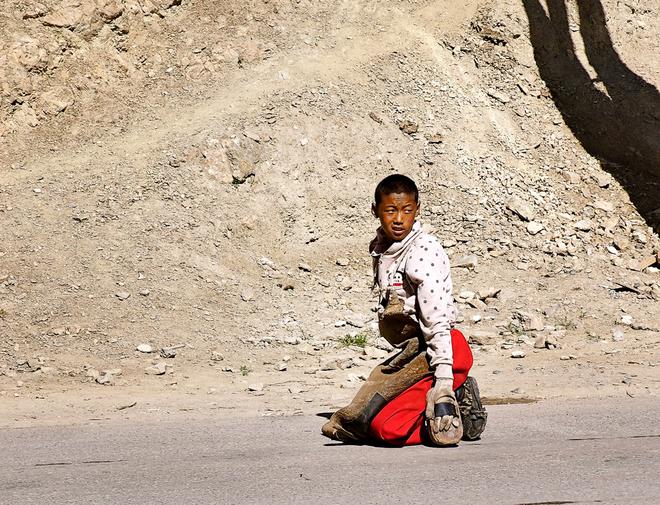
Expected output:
{"points": [[396, 212]]}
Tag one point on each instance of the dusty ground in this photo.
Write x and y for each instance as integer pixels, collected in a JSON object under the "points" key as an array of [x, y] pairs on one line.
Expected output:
{"points": [[209, 188]]}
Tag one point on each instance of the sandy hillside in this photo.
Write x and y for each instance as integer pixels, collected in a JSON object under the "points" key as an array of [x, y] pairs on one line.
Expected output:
{"points": [[196, 176]]}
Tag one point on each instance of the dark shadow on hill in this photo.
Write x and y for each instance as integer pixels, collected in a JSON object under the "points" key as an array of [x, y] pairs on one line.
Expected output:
{"points": [[616, 117]]}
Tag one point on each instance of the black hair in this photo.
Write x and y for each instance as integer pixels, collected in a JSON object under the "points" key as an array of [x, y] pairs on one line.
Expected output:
{"points": [[395, 183]]}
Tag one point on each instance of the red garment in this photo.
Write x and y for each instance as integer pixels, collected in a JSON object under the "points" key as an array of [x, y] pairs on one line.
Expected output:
{"points": [[401, 422]]}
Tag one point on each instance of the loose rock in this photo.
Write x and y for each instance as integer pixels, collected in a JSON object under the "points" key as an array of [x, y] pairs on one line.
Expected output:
{"points": [[534, 228], [157, 369], [521, 209], [145, 348], [408, 127]]}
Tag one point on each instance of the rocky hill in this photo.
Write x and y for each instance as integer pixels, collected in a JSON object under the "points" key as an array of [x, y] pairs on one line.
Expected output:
{"points": [[196, 177]]}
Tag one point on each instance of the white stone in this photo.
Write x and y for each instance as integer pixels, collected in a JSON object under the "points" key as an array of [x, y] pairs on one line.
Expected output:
{"points": [[157, 369], [584, 225], [617, 334], [533, 227]]}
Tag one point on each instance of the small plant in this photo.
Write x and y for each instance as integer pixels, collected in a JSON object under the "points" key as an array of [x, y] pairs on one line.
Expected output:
{"points": [[359, 340], [593, 337], [566, 322], [515, 329], [244, 370]]}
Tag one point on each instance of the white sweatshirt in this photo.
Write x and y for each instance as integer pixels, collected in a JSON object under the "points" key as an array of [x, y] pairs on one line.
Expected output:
{"points": [[426, 291]]}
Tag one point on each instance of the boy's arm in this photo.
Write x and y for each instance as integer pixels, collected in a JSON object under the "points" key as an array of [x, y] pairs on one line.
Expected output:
{"points": [[428, 268], [430, 271]]}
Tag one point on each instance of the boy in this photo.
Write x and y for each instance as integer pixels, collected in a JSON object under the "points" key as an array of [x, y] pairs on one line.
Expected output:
{"points": [[411, 398]]}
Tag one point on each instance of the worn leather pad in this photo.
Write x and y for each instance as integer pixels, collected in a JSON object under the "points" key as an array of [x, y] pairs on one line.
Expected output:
{"points": [[444, 409]]}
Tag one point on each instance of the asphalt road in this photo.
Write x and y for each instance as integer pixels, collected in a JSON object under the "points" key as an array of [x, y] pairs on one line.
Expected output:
{"points": [[547, 453]]}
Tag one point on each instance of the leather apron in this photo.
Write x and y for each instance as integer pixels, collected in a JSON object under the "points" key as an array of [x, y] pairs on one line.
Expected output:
{"points": [[387, 380]]}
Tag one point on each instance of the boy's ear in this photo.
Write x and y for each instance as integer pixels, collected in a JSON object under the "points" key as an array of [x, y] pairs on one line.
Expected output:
{"points": [[373, 210]]}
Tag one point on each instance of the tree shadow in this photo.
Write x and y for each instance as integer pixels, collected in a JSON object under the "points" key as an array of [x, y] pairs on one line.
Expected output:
{"points": [[616, 117]]}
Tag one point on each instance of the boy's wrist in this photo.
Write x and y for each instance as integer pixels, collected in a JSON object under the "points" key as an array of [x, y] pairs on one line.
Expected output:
{"points": [[444, 373]]}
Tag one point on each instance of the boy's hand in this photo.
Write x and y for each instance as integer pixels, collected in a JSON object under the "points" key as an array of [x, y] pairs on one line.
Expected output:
{"points": [[443, 415]]}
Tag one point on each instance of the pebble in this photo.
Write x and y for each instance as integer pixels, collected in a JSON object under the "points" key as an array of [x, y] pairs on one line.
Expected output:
{"points": [[342, 262], [617, 334], [531, 321], [534, 228], [105, 379], [247, 295], [144, 292], [216, 356], [498, 95], [266, 263], [471, 261], [340, 323], [483, 337], [374, 352], [168, 352], [621, 243], [157, 369], [640, 236], [408, 127], [123, 295], [92, 372], [256, 387], [252, 135], [626, 319], [603, 205], [489, 292], [304, 267], [520, 208], [146, 348], [517, 354], [644, 263], [356, 321], [602, 180], [383, 344], [571, 177], [540, 342], [584, 225]]}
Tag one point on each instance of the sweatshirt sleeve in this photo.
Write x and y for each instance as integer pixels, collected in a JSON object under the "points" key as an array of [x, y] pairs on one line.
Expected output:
{"points": [[429, 271]]}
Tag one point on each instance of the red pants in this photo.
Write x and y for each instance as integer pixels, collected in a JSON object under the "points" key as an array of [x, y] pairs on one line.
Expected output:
{"points": [[401, 422]]}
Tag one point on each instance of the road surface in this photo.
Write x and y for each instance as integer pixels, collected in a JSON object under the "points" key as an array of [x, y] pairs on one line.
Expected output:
{"points": [[605, 451]]}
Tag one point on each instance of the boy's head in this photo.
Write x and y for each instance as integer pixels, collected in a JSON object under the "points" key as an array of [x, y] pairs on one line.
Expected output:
{"points": [[396, 204]]}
